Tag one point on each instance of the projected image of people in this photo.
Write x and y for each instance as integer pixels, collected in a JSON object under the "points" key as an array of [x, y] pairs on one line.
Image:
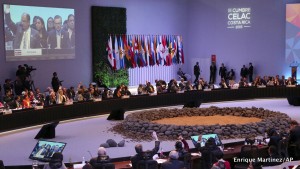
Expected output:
{"points": [[71, 31], [40, 27], [44, 150], [29, 37], [62, 36], [50, 24], [24, 36], [56, 36]]}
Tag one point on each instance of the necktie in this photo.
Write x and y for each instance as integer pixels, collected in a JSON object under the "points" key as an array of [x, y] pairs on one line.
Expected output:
{"points": [[25, 40]]}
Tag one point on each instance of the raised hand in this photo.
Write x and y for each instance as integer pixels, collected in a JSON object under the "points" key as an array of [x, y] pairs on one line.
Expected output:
{"points": [[154, 136]]}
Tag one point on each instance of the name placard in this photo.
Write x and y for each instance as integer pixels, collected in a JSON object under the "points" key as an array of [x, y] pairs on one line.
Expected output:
{"points": [[27, 52]]}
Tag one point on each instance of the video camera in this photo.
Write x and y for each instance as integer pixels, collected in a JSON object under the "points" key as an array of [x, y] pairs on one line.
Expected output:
{"points": [[29, 69]]}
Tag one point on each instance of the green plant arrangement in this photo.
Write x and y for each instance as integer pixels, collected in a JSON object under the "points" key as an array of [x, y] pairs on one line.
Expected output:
{"points": [[105, 21], [109, 77]]}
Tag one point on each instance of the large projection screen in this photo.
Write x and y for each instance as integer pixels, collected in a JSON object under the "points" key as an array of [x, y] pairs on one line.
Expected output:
{"points": [[292, 35], [38, 33]]}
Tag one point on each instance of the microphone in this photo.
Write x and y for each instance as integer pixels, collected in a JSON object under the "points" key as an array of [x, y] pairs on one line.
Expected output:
{"points": [[90, 153]]}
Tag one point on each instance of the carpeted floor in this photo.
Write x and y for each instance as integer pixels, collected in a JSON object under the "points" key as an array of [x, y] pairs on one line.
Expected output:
{"points": [[83, 135]]}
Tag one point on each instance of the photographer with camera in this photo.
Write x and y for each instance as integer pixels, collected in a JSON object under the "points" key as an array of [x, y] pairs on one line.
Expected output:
{"points": [[24, 80], [56, 83], [21, 73], [144, 155], [28, 69]]}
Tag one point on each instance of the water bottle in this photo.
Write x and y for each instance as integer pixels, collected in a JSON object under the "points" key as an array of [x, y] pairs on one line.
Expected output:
{"points": [[266, 135], [71, 163], [83, 160]]}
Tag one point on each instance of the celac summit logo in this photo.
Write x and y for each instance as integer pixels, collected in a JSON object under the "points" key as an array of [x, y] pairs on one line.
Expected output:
{"points": [[239, 18]]}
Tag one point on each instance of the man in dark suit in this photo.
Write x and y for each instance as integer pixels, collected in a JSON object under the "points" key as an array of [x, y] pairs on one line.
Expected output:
{"points": [[183, 151], [140, 153], [196, 72], [244, 71], [250, 72], [273, 157], [69, 35], [213, 71], [208, 152], [25, 37], [223, 71], [173, 162], [101, 158], [57, 38], [56, 162], [294, 140], [274, 138], [55, 82]]}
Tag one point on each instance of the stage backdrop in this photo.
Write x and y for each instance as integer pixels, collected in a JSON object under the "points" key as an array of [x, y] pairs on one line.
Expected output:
{"points": [[292, 45]]}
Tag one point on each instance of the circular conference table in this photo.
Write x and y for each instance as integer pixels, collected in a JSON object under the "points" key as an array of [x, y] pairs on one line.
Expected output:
{"points": [[30, 117]]}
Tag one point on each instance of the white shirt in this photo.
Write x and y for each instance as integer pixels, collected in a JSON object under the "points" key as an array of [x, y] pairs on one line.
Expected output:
{"points": [[58, 39], [70, 33], [25, 42]]}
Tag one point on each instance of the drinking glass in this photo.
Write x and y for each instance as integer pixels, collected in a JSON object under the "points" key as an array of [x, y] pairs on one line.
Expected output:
{"points": [[35, 164]]}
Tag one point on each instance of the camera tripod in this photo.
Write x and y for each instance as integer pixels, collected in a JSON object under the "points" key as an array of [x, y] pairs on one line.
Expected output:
{"points": [[31, 83], [32, 86]]}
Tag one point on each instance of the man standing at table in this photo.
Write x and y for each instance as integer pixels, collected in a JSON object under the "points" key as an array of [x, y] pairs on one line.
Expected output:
{"points": [[213, 71], [55, 82], [196, 72], [222, 71], [250, 72], [244, 72]]}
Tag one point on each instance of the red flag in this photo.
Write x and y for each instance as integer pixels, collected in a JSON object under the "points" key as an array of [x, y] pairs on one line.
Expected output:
{"points": [[110, 56]]}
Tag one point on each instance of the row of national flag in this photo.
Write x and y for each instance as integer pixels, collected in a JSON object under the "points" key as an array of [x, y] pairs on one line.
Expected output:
{"points": [[131, 51]]}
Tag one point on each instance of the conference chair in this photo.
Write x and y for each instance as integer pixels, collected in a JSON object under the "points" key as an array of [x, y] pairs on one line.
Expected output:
{"points": [[1, 165], [104, 166], [187, 160], [247, 152], [147, 164], [282, 148]]}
